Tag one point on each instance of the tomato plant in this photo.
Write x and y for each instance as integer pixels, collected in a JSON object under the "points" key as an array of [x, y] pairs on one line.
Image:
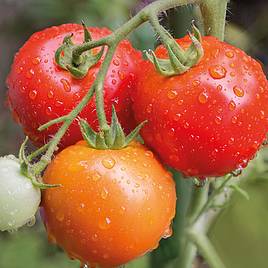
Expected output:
{"points": [[113, 205], [40, 91], [212, 119]]}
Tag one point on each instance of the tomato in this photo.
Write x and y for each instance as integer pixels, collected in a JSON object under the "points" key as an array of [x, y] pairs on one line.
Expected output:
{"points": [[19, 199], [40, 91], [210, 120], [113, 206]]}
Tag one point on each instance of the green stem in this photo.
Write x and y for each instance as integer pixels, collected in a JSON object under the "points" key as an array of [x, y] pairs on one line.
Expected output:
{"points": [[214, 15], [212, 197], [99, 89], [45, 160], [199, 198], [207, 250]]}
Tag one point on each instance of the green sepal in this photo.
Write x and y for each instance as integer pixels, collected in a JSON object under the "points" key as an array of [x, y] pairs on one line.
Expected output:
{"points": [[88, 133], [44, 186], [179, 60], [114, 138], [87, 35], [134, 133], [64, 56]]}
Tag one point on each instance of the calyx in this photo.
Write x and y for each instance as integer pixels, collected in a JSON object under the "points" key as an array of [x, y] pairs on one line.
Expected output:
{"points": [[79, 68], [180, 60], [113, 138]]}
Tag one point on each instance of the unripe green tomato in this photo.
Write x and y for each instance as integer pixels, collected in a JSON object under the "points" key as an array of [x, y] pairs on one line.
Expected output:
{"points": [[19, 199]]}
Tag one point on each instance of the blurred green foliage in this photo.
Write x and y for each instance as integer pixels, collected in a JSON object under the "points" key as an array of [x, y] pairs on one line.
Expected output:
{"points": [[240, 233]]}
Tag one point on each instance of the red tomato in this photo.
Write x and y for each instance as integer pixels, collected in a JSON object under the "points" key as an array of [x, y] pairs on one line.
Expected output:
{"points": [[113, 206], [40, 91], [210, 120]]}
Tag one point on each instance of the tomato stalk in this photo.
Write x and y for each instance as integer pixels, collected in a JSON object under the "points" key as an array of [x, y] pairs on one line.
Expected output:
{"points": [[214, 15]]}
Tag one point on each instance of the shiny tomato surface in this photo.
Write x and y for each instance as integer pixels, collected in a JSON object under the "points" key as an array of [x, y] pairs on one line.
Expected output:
{"points": [[113, 205]]}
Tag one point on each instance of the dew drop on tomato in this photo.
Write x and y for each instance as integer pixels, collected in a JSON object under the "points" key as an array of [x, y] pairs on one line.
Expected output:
{"points": [[203, 98], [217, 72], [232, 105], [108, 162], [229, 54], [30, 73], [172, 94], [239, 92], [33, 94], [218, 120], [116, 62], [104, 224], [104, 193], [36, 60], [66, 85], [50, 94]]}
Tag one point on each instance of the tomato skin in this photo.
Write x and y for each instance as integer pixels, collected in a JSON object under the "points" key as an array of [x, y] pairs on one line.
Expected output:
{"points": [[40, 91], [113, 206], [210, 120]]}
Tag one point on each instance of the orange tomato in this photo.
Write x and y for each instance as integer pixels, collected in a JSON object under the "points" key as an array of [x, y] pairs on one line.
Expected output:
{"points": [[113, 206]]}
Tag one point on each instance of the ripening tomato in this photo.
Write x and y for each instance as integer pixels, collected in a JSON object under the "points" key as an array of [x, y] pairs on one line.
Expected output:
{"points": [[210, 120], [19, 199], [113, 206], [40, 91]]}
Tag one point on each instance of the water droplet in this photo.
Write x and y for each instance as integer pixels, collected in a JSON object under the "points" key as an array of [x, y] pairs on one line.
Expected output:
{"points": [[48, 110], [180, 102], [104, 193], [96, 176], [36, 60], [219, 87], [60, 216], [172, 94], [237, 172], [232, 105], [121, 75], [30, 73], [105, 223], [94, 237], [116, 62], [149, 153], [232, 74], [66, 85], [167, 233], [50, 94], [217, 72], [149, 108], [229, 54], [203, 97], [196, 83], [239, 92], [218, 120], [108, 162], [234, 119], [32, 94], [262, 114]]}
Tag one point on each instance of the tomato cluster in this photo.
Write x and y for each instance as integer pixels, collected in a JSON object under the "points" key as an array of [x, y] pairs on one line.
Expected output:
{"points": [[115, 205]]}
